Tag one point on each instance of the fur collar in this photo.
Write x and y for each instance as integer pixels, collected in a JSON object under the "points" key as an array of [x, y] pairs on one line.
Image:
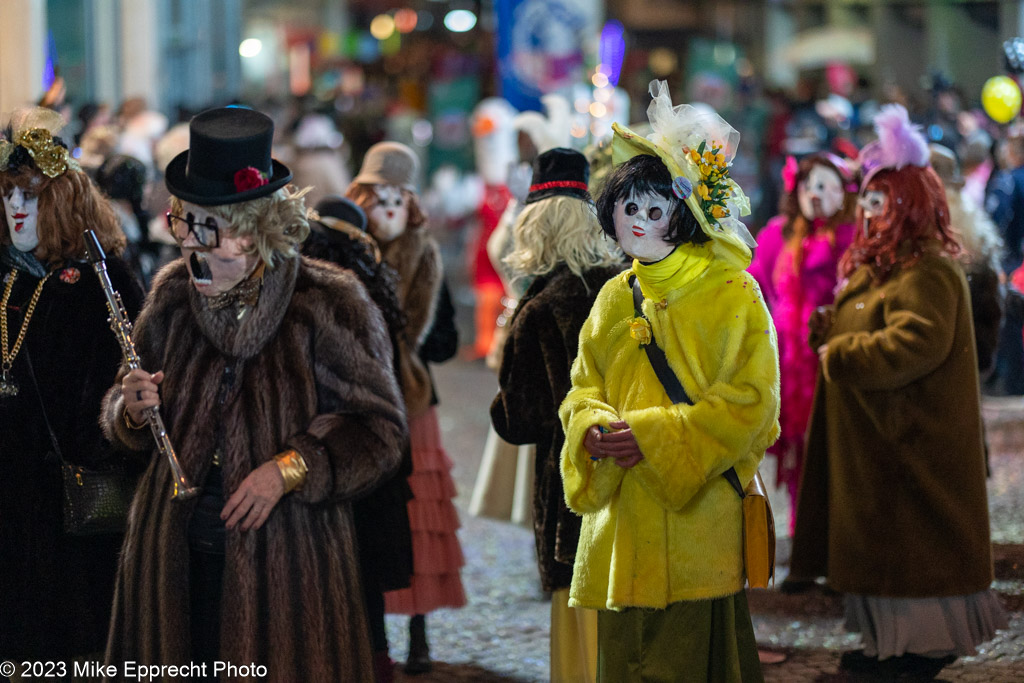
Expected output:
{"points": [[244, 339]]}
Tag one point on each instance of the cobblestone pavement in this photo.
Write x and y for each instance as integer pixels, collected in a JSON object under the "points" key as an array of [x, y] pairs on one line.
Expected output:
{"points": [[502, 634]]}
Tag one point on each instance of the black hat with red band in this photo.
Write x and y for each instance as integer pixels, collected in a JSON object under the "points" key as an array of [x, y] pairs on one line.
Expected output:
{"points": [[559, 171]]}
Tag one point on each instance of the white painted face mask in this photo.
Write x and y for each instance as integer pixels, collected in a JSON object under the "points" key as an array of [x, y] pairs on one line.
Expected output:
{"points": [[821, 193], [872, 205], [22, 209], [217, 261], [387, 220], [641, 223]]}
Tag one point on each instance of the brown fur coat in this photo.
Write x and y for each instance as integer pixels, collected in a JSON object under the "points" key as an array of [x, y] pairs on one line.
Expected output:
{"points": [[892, 500], [543, 339], [314, 373], [416, 258]]}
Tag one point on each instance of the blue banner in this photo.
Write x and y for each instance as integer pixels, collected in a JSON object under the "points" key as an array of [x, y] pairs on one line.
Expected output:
{"points": [[540, 47]]}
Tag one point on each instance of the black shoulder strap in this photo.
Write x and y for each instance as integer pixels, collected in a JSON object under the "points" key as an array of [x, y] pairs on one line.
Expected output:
{"points": [[42, 407], [669, 380]]}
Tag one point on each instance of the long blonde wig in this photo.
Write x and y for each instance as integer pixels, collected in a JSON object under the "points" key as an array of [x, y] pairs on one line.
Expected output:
{"points": [[277, 223], [556, 230]]}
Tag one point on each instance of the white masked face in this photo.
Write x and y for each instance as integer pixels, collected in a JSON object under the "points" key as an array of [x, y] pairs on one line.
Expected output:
{"points": [[641, 223], [22, 209], [388, 218], [214, 269], [821, 193], [872, 205]]}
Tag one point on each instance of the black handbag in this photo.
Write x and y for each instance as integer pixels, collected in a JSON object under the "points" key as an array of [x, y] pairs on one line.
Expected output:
{"points": [[95, 501]]}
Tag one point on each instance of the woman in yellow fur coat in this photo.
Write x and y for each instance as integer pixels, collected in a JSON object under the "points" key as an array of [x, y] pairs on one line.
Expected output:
{"points": [[660, 550]]}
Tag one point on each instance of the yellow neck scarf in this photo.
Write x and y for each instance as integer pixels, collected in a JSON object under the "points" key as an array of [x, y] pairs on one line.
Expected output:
{"points": [[681, 267]]}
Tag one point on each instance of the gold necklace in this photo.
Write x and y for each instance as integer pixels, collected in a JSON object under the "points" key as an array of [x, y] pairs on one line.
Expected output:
{"points": [[7, 384]]}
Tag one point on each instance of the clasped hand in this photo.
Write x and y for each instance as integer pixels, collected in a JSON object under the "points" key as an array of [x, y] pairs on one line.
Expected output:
{"points": [[619, 444]]}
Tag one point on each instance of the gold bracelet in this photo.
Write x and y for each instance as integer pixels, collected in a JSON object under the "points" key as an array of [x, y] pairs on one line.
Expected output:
{"points": [[293, 469], [130, 422]]}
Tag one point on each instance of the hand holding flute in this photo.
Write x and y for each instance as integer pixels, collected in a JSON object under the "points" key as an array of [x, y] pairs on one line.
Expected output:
{"points": [[141, 392], [140, 388]]}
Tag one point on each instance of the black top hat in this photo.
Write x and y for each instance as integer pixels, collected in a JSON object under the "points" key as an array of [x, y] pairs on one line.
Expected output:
{"points": [[559, 171], [228, 159]]}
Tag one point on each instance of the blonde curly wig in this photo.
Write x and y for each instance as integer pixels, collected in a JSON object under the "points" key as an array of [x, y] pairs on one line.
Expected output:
{"points": [[277, 223], [556, 230]]}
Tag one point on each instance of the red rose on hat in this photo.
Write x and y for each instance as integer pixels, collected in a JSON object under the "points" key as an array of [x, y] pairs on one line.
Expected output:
{"points": [[249, 178]]}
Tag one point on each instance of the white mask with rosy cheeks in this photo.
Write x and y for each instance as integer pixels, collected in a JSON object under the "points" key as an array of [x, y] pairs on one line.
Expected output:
{"points": [[387, 220], [641, 223], [821, 193], [22, 209], [214, 270]]}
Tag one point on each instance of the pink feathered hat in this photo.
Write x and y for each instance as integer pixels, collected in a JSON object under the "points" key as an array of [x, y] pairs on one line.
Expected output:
{"points": [[899, 144]]}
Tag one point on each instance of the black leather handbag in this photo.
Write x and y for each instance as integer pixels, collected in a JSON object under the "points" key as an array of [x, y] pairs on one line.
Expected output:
{"points": [[95, 501]]}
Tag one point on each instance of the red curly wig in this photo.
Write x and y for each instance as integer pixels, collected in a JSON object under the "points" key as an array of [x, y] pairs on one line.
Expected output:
{"points": [[69, 205], [915, 213]]}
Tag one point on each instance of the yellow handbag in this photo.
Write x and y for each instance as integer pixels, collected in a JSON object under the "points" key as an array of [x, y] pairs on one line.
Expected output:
{"points": [[758, 530], [758, 522]]}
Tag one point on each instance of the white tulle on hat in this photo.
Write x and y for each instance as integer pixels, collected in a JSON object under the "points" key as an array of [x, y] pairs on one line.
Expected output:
{"points": [[697, 146]]}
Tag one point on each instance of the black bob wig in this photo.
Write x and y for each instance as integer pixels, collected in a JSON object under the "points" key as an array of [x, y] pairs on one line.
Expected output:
{"points": [[645, 174]]}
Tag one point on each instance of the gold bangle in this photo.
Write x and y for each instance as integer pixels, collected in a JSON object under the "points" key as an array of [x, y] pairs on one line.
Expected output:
{"points": [[293, 469], [130, 422]]}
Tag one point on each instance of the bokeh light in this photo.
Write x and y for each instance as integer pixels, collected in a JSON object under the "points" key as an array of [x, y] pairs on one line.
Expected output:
{"points": [[382, 26], [250, 47], [459, 20]]}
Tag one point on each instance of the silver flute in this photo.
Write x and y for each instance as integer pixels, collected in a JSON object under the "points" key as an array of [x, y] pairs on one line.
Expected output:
{"points": [[122, 328]]}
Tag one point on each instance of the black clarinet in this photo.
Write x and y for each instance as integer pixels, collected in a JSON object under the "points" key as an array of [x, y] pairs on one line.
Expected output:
{"points": [[122, 328]]}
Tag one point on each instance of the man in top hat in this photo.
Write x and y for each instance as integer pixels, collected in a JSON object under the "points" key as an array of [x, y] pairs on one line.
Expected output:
{"points": [[273, 374]]}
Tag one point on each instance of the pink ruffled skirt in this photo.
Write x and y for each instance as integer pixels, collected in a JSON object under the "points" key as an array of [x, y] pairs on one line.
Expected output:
{"points": [[437, 555]]}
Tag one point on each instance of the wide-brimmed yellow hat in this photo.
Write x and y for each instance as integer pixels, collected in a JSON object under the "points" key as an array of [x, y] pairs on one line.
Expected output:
{"points": [[697, 146]]}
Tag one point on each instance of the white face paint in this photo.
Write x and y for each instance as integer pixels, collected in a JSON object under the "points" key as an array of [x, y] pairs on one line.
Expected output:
{"points": [[641, 223], [214, 270], [821, 193], [22, 209], [388, 218], [872, 205]]}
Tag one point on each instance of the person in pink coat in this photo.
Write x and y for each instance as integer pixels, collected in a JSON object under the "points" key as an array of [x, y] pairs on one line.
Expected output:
{"points": [[795, 264]]}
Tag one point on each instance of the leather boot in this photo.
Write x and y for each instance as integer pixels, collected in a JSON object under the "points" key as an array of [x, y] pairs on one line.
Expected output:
{"points": [[419, 652]]}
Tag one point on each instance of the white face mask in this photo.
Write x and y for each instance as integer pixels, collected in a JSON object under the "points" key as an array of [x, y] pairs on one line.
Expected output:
{"points": [[641, 223], [872, 205], [388, 218], [821, 193], [22, 209], [214, 270]]}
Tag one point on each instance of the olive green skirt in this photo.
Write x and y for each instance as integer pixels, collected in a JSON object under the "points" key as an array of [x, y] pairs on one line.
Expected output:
{"points": [[710, 641]]}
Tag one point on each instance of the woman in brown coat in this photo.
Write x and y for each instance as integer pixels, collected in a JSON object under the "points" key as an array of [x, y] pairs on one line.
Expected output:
{"points": [[274, 377], [893, 507], [558, 243]]}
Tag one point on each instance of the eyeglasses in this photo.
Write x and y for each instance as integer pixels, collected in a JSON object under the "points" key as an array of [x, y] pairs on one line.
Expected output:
{"points": [[206, 233]]}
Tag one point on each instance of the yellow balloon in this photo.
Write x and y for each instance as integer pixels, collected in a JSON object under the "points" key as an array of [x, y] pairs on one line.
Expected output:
{"points": [[1001, 98]]}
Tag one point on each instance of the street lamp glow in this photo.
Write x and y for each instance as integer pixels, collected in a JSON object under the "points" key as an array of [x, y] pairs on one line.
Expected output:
{"points": [[459, 20], [250, 47]]}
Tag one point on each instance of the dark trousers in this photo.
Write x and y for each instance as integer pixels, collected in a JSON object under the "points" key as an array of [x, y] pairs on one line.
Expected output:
{"points": [[206, 535], [207, 574]]}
